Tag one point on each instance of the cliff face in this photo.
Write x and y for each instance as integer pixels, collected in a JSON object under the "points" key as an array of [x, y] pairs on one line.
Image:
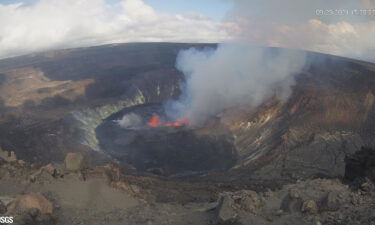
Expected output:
{"points": [[330, 114], [52, 103]]}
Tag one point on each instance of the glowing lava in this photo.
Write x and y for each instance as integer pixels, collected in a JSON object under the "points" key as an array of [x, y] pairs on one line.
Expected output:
{"points": [[155, 122]]}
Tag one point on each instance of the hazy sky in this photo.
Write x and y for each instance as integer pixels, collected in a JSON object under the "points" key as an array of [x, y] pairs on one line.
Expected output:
{"points": [[341, 27], [215, 9]]}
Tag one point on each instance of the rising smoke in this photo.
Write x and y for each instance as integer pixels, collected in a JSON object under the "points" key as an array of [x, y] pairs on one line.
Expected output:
{"points": [[236, 75], [230, 76], [130, 121]]}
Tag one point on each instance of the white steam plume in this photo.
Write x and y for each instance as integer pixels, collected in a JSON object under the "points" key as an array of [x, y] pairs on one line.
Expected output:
{"points": [[232, 75], [130, 121]]}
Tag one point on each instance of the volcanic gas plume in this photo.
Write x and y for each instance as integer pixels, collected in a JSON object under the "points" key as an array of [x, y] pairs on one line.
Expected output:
{"points": [[232, 75], [130, 121]]}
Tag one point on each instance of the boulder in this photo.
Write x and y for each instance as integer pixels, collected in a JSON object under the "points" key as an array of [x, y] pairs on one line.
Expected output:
{"points": [[367, 186], [331, 202], [74, 161], [224, 211], [248, 201], [50, 169], [32, 217], [6, 200], [34, 201], [310, 207], [8, 156], [291, 203]]}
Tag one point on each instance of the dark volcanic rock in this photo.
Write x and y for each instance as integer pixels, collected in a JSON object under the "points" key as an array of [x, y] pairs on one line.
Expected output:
{"points": [[165, 150], [331, 201], [360, 164], [225, 214], [291, 204], [329, 115]]}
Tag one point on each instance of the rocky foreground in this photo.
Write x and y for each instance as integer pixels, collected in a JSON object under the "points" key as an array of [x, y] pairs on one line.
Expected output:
{"points": [[71, 194]]}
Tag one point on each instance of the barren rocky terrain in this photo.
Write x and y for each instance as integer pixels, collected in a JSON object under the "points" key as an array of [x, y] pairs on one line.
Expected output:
{"points": [[70, 193], [306, 160]]}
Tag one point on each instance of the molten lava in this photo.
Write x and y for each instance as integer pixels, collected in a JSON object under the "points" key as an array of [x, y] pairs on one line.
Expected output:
{"points": [[155, 122]]}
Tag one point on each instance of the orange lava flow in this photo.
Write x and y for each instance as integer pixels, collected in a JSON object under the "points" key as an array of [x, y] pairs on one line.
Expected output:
{"points": [[155, 122]]}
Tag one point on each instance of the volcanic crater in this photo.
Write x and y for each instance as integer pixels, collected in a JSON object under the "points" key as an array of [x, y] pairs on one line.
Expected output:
{"points": [[260, 165], [164, 147], [328, 115]]}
